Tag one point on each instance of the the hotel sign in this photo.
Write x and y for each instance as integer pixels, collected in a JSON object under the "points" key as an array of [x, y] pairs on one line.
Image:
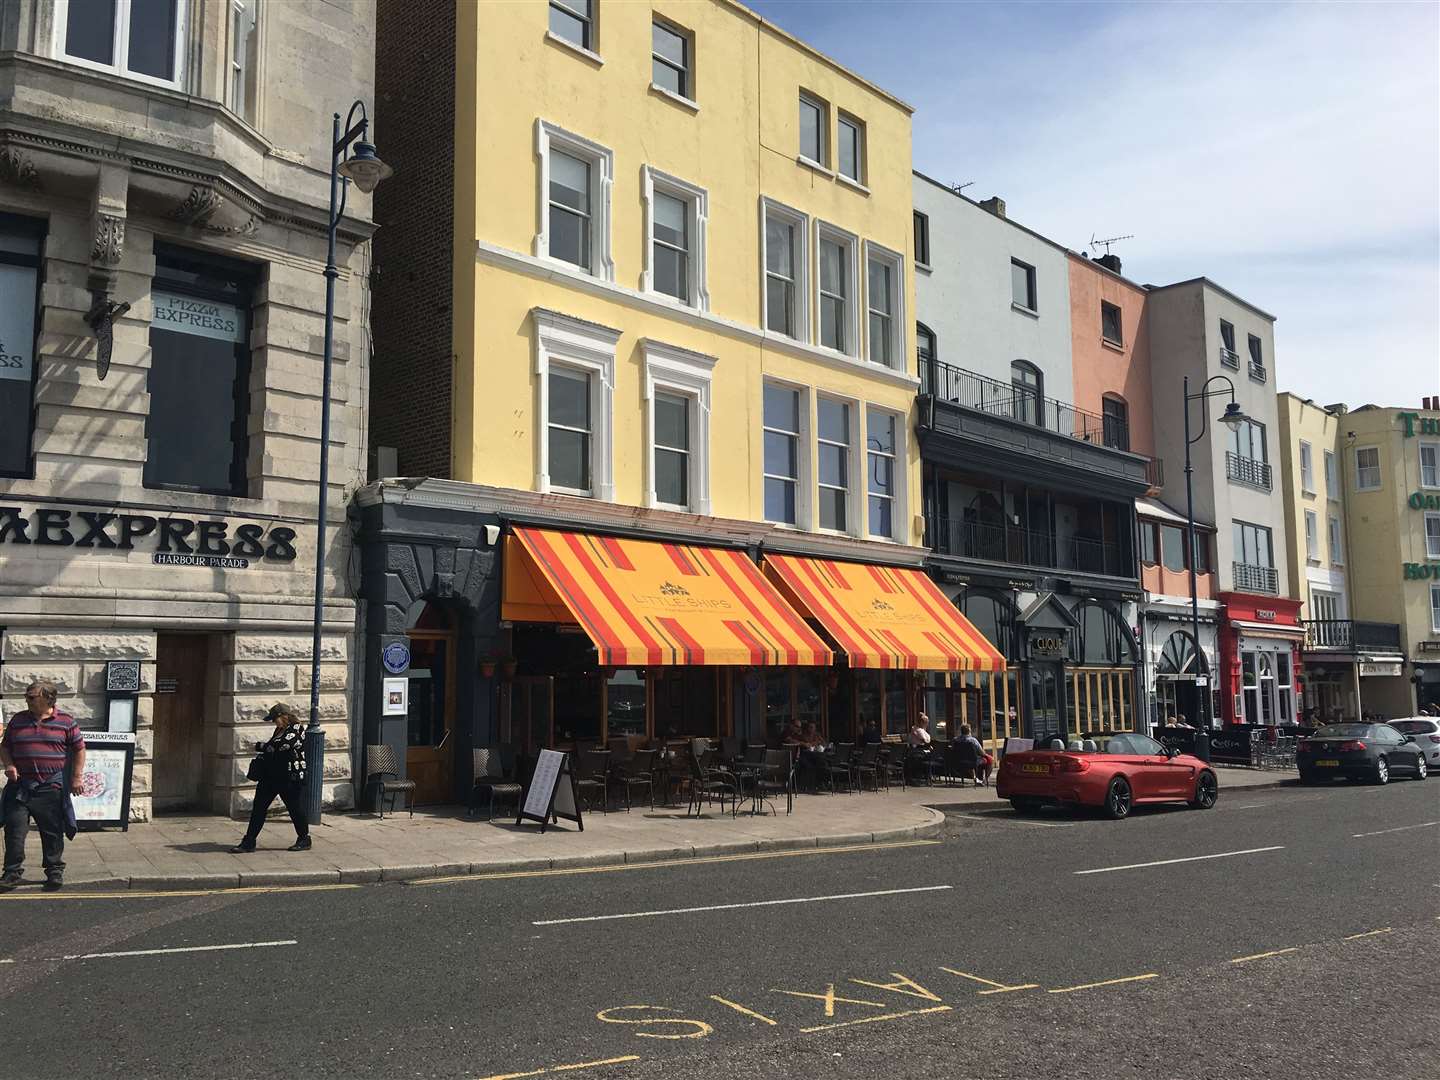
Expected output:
{"points": [[172, 540], [1419, 571], [1415, 424], [1421, 500]]}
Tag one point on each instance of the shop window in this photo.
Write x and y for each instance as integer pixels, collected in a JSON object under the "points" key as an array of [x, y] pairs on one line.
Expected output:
{"points": [[687, 702], [625, 704], [138, 39], [199, 381], [897, 702], [994, 618], [809, 695], [20, 240], [1104, 639], [779, 706], [577, 708]]}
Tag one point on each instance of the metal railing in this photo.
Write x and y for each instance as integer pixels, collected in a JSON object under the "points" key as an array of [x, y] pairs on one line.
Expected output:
{"points": [[1351, 634], [1257, 371], [1027, 547], [1246, 470], [1260, 579], [1230, 358]]}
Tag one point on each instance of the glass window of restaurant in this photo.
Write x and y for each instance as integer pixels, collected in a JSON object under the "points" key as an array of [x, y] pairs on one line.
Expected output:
{"points": [[1101, 685], [625, 694], [997, 694], [687, 702]]}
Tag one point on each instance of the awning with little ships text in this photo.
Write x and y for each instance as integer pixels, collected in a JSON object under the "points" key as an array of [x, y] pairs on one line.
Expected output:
{"points": [[645, 602], [884, 616]]}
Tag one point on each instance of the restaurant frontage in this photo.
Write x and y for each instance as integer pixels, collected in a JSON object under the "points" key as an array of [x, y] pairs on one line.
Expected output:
{"points": [[522, 626], [1260, 639]]}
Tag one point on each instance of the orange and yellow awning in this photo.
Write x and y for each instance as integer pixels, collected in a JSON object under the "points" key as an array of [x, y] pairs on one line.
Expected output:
{"points": [[645, 602], [884, 616]]}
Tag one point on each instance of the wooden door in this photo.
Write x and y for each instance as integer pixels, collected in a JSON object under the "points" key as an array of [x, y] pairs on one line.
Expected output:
{"points": [[181, 664], [429, 754]]}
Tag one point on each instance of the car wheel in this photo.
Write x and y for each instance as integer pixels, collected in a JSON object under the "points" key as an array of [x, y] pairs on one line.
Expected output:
{"points": [[1422, 768], [1118, 799], [1382, 772], [1308, 778], [1025, 806], [1207, 790]]}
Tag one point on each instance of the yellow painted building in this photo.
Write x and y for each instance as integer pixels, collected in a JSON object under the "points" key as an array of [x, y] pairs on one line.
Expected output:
{"points": [[678, 306]]}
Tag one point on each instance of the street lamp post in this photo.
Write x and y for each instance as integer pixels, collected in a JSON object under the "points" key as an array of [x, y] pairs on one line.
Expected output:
{"points": [[366, 170], [1232, 418]]}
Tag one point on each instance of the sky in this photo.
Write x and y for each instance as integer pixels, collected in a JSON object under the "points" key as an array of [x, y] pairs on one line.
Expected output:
{"points": [[1289, 152]]}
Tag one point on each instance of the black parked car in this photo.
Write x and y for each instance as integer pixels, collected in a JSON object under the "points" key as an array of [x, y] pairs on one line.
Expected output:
{"points": [[1359, 751]]}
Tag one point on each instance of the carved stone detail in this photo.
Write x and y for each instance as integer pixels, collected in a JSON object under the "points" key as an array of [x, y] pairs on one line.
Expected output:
{"points": [[198, 207], [109, 240], [18, 170]]}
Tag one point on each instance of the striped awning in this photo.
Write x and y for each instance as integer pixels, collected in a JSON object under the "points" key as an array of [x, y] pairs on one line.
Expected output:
{"points": [[644, 602], [884, 616]]}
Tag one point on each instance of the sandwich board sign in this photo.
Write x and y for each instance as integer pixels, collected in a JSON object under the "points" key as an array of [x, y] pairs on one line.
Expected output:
{"points": [[551, 794]]}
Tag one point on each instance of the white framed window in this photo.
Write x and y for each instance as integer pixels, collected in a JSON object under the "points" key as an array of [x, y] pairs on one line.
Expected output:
{"points": [[1307, 469], [1430, 465], [1367, 468], [814, 131], [884, 300], [138, 39], [885, 473], [1432, 536], [244, 88], [1337, 548], [836, 292], [850, 148], [573, 22], [677, 395], [676, 218], [575, 388], [671, 60], [834, 450], [1435, 608], [785, 239], [1312, 536], [1332, 485], [786, 455], [576, 178]]}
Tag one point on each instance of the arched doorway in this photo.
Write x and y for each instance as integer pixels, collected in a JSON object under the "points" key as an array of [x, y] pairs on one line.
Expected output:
{"points": [[1177, 692], [430, 720], [1101, 675]]}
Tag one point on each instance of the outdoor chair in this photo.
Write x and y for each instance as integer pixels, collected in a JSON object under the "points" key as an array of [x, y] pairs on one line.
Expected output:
{"points": [[925, 764], [777, 775], [841, 765], [730, 749], [866, 763], [619, 748], [590, 778], [380, 763], [892, 762], [491, 779], [710, 783], [961, 762], [700, 747], [636, 772]]}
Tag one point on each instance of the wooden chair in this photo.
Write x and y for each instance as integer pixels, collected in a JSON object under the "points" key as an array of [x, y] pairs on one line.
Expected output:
{"points": [[380, 762]]}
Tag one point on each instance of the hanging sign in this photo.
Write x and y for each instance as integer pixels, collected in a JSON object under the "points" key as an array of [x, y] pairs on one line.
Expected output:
{"points": [[551, 794]]}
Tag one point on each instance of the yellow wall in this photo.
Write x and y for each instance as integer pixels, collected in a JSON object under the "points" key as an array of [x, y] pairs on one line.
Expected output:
{"points": [[1305, 421], [741, 143]]}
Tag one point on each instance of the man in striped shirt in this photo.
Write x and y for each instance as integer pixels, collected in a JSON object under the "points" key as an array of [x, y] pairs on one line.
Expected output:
{"points": [[37, 746]]}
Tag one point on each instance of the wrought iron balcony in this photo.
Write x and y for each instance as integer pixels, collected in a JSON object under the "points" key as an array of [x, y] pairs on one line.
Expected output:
{"points": [[1246, 470], [1257, 579], [1257, 371], [1351, 635], [1001, 543], [1230, 358]]}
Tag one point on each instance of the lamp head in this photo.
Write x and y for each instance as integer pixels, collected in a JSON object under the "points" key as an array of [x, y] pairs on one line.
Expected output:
{"points": [[364, 168], [1233, 417]]}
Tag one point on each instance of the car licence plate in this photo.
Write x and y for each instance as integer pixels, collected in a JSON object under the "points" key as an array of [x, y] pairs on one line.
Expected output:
{"points": [[1328, 763], [1043, 770]]}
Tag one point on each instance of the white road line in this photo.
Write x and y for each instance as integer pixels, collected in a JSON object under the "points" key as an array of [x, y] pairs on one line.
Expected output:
{"points": [[1400, 828], [156, 952], [1191, 858], [729, 907]]}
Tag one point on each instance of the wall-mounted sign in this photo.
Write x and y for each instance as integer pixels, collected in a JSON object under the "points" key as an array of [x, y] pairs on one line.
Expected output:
{"points": [[1381, 667], [1428, 646], [1047, 645], [397, 697], [176, 541], [202, 318], [1265, 614], [396, 657], [122, 676], [1420, 500], [1415, 423], [1419, 571]]}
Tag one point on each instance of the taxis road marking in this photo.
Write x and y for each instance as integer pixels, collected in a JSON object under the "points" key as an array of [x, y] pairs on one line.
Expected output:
{"points": [[1399, 828], [1370, 933], [610, 868], [1188, 858], [1263, 955], [157, 894], [997, 988], [877, 1019], [742, 1009], [565, 1068], [731, 907], [1107, 982]]}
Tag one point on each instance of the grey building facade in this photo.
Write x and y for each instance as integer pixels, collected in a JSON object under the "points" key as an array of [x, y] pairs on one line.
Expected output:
{"points": [[163, 212]]}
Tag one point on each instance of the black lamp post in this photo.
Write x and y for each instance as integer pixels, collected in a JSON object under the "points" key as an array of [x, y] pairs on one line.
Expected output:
{"points": [[366, 170], [1232, 418]]}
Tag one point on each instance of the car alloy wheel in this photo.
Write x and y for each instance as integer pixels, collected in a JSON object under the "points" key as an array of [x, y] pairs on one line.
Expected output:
{"points": [[1382, 772], [1422, 768], [1025, 806], [1307, 777], [1117, 798], [1207, 790]]}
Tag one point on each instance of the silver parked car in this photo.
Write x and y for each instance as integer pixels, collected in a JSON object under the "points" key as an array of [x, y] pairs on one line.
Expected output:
{"points": [[1426, 732]]}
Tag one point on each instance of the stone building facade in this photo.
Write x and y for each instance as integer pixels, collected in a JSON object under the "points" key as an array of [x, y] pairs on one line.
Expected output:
{"points": [[163, 212]]}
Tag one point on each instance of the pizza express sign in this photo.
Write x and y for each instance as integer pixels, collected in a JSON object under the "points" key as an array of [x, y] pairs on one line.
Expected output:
{"points": [[173, 541]]}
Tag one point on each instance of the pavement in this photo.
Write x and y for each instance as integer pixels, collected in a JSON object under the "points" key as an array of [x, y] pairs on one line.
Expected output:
{"points": [[1289, 932], [193, 852]]}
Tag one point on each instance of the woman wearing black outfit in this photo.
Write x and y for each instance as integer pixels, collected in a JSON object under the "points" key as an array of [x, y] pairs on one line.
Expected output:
{"points": [[282, 773]]}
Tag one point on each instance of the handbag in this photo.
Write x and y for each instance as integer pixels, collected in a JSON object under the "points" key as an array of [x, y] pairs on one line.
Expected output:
{"points": [[256, 771]]}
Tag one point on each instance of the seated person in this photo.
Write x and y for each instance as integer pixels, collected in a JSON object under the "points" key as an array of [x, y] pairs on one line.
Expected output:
{"points": [[983, 761], [792, 732], [871, 734], [811, 757], [920, 733]]}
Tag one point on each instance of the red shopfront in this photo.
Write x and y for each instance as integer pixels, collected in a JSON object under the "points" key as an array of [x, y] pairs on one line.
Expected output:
{"points": [[1260, 640]]}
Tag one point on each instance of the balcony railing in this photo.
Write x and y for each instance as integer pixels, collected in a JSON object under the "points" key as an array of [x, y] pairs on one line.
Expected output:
{"points": [[1011, 544], [1230, 358], [1350, 635], [1259, 579], [1246, 470], [972, 390], [1257, 371]]}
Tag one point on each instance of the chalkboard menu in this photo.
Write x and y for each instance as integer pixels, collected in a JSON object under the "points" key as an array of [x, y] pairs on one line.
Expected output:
{"points": [[551, 794]]}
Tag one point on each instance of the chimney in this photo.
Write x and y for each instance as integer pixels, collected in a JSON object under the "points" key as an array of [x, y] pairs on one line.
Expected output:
{"points": [[995, 205], [1430, 404], [1110, 262]]}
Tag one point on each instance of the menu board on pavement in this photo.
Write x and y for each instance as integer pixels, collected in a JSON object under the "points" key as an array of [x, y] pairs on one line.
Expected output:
{"points": [[551, 794]]}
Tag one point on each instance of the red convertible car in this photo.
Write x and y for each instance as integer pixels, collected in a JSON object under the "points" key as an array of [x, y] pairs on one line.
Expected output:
{"points": [[1113, 772]]}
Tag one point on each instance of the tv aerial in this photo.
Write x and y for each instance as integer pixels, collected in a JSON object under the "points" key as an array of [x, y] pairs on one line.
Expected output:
{"points": [[959, 189], [1094, 243]]}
